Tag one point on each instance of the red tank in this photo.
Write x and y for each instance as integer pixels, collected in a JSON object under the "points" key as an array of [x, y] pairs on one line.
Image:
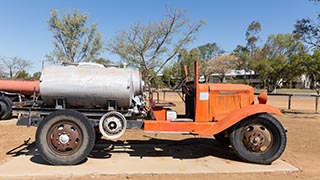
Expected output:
{"points": [[25, 87]]}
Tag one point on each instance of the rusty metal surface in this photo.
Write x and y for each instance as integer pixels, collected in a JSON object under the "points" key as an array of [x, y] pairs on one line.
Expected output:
{"points": [[89, 86], [25, 87], [65, 137], [257, 138]]}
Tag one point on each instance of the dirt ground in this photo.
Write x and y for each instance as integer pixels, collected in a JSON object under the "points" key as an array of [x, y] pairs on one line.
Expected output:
{"points": [[303, 147]]}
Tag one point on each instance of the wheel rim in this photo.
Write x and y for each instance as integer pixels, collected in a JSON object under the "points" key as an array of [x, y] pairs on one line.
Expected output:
{"points": [[257, 138], [65, 137], [112, 125]]}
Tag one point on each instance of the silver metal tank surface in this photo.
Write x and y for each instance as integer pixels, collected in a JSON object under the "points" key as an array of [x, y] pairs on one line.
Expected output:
{"points": [[89, 85]]}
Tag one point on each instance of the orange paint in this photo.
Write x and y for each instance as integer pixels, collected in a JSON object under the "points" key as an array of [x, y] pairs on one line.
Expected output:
{"points": [[25, 87], [226, 98], [209, 128], [232, 118], [181, 127], [217, 108], [160, 114], [263, 98], [202, 103]]}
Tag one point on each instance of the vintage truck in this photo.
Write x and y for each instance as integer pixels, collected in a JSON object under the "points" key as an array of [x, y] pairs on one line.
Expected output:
{"points": [[74, 105]]}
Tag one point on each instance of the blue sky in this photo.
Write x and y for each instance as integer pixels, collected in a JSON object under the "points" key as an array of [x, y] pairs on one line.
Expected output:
{"points": [[24, 28]]}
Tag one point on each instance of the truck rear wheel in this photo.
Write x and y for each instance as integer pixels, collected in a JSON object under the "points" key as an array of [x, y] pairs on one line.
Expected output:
{"points": [[5, 108], [259, 139], [65, 137]]}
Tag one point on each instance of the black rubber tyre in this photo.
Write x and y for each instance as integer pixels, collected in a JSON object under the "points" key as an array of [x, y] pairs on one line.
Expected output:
{"points": [[223, 138], [65, 137], [259, 139], [5, 108]]}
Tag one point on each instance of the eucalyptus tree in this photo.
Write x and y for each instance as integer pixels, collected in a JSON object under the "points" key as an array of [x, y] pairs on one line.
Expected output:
{"points": [[279, 60], [74, 41]]}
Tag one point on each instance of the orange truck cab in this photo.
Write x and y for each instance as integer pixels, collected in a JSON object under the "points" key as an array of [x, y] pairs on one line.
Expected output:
{"points": [[228, 112]]}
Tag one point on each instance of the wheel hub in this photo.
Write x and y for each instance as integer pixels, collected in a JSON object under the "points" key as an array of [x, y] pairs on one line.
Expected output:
{"points": [[65, 137], [112, 125], [257, 138]]}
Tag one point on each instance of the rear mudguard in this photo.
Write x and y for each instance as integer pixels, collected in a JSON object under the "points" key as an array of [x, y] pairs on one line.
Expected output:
{"points": [[238, 115]]}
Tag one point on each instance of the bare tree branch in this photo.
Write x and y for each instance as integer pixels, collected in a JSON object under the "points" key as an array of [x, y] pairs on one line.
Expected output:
{"points": [[11, 66], [150, 47]]}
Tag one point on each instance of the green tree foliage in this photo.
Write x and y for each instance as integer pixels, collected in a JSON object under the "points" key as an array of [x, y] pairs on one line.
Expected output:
{"points": [[252, 36], [246, 53], [167, 77], [209, 51], [175, 74], [36, 76], [311, 65], [187, 58], [309, 30], [23, 74], [278, 60], [73, 40], [150, 47], [206, 52], [103, 61], [11, 66], [244, 57]]}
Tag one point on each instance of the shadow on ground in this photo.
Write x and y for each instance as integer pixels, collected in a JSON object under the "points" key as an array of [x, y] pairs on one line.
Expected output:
{"points": [[190, 148]]}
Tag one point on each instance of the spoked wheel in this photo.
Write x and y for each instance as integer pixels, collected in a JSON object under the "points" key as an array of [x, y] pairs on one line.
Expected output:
{"points": [[65, 138], [260, 139]]}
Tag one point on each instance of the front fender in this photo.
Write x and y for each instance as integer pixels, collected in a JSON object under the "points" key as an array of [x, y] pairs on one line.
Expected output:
{"points": [[237, 115]]}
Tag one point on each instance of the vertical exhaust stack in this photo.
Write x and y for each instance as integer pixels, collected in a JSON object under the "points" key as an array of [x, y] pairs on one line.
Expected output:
{"points": [[25, 87]]}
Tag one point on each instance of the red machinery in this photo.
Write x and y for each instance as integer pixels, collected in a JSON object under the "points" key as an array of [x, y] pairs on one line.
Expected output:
{"points": [[12, 91]]}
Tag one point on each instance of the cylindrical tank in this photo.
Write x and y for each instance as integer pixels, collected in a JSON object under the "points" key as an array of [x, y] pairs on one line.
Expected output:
{"points": [[89, 85], [25, 87]]}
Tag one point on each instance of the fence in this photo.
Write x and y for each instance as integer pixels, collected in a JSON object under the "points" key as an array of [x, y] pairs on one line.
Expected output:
{"points": [[316, 102], [288, 96]]}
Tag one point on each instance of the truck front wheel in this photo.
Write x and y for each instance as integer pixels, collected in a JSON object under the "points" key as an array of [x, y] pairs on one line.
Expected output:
{"points": [[258, 139], [65, 137]]}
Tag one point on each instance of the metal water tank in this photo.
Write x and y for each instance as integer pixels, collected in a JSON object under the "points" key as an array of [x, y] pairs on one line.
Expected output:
{"points": [[89, 85]]}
